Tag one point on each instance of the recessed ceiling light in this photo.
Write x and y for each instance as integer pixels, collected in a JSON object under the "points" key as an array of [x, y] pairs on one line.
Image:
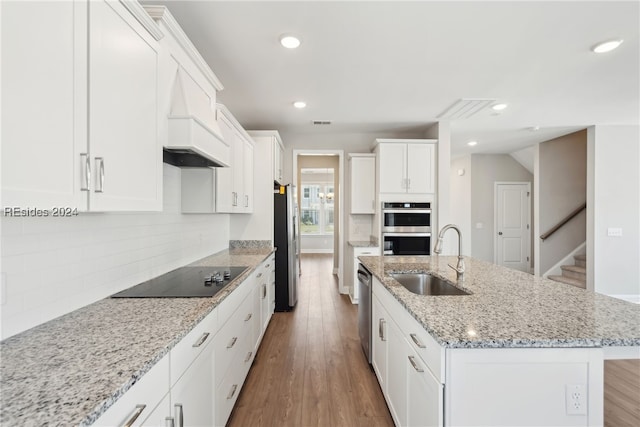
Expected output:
{"points": [[499, 107], [290, 41], [607, 46], [472, 143], [299, 104], [533, 128]]}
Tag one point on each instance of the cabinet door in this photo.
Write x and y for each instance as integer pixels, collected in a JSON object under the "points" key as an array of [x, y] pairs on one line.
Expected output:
{"points": [[397, 373], [393, 167], [380, 335], [123, 120], [192, 397], [278, 159], [157, 417], [238, 172], [225, 195], [420, 168], [363, 178], [248, 177], [424, 394], [44, 104]]}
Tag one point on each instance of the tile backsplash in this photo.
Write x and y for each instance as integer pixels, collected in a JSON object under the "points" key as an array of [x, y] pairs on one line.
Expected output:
{"points": [[51, 266]]}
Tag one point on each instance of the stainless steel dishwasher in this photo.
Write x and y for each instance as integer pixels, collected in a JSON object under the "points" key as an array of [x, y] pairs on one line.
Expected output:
{"points": [[364, 310]]}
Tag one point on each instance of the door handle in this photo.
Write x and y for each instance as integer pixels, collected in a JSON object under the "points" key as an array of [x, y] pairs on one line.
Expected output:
{"points": [[499, 233]]}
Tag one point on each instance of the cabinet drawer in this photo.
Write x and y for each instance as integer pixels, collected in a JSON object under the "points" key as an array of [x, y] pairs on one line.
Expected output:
{"points": [[185, 352], [423, 344], [229, 388], [235, 298], [229, 339], [149, 391]]}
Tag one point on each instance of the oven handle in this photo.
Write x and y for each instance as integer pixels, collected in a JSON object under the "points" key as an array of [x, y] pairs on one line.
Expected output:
{"points": [[408, 210], [406, 235]]}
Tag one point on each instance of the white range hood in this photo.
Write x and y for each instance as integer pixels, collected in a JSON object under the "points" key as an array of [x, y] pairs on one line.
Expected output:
{"points": [[194, 137]]}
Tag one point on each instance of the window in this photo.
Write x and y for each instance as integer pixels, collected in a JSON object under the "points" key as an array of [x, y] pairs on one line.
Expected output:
{"points": [[316, 207]]}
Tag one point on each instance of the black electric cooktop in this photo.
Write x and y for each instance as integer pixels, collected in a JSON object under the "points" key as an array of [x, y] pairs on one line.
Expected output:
{"points": [[184, 282]]}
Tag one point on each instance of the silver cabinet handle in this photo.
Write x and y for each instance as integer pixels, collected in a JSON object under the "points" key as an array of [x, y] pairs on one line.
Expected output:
{"points": [[87, 172], [246, 201], [249, 316], [179, 414], [417, 341], [381, 324], [414, 364], [246, 359], [100, 189], [201, 340], [264, 290], [232, 392], [232, 342], [408, 183], [135, 415], [168, 422]]}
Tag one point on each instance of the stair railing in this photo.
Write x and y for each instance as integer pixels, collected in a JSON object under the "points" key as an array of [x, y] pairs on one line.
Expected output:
{"points": [[563, 221]]}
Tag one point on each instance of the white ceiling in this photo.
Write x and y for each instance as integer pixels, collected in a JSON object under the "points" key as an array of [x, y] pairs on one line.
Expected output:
{"points": [[394, 66]]}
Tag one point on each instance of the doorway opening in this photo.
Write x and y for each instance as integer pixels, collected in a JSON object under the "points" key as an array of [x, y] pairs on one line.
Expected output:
{"points": [[318, 180]]}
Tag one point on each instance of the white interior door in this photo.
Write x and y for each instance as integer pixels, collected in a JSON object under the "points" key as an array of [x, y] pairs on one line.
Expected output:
{"points": [[512, 229]]}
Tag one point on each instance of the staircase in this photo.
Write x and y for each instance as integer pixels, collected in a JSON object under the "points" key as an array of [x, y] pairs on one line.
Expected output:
{"points": [[575, 275]]}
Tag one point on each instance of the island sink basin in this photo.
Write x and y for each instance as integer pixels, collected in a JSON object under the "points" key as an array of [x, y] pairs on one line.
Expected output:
{"points": [[426, 284]]}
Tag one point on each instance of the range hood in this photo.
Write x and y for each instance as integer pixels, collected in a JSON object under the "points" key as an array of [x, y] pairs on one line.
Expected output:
{"points": [[194, 137]]}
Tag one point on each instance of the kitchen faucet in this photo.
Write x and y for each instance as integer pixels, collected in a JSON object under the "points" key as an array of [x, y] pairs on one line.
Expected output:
{"points": [[459, 268]]}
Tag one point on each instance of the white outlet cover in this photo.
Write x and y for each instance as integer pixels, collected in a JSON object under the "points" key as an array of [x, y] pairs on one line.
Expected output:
{"points": [[614, 232], [576, 399]]}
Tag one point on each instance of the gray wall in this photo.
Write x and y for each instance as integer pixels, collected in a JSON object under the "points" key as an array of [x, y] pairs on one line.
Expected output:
{"points": [[486, 169], [562, 180]]}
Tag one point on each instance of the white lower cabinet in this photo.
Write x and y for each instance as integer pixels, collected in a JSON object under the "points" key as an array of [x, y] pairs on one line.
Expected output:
{"points": [[200, 379], [413, 392]]}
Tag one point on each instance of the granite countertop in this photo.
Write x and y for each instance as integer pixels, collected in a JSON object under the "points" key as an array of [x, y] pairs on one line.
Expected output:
{"points": [[70, 370], [363, 244], [509, 308]]}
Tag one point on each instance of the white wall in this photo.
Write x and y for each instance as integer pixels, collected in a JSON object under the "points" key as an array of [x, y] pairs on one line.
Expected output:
{"points": [[486, 169], [460, 200], [613, 200], [52, 266], [561, 187]]}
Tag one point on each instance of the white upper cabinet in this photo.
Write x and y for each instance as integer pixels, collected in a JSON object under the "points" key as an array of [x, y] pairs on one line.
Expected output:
{"points": [[123, 119], [406, 166], [79, 95], [234, 185], [363, 183]]}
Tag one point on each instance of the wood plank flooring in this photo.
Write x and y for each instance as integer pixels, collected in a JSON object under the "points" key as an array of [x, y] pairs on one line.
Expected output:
{"points": [[622, 393], [310, 369]]}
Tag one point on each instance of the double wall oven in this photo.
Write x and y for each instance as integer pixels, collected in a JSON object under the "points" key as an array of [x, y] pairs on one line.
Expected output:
{"points": [[406, 228]]}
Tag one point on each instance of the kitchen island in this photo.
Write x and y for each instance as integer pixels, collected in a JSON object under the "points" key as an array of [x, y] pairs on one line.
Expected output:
{"points": [[71, 370], [519, 349]]}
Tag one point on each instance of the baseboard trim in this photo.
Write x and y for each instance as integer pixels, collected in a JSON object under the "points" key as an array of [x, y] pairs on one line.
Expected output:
{"points": [[634, 298]]}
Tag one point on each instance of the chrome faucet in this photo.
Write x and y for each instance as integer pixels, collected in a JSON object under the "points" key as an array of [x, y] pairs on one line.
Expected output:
{"points": [[459, 268]]}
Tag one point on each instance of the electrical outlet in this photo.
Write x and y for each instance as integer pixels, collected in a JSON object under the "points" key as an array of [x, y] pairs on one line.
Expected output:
{"points": [[576, 399]]}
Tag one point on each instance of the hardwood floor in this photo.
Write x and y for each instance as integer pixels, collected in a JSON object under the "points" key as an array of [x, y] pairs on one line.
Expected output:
{"points": [[310, 369], [622, 393]]}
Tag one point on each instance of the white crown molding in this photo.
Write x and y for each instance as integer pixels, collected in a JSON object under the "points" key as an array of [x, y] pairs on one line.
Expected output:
{"points": [[234, 122], [161, 13], [143, 18]]}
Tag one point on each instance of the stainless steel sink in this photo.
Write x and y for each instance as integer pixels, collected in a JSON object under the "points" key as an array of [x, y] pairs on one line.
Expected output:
{"points": [[426, 284]]}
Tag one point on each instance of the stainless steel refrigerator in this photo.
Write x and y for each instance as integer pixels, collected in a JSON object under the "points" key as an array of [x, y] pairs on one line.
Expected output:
{"points": [[285, 230]]}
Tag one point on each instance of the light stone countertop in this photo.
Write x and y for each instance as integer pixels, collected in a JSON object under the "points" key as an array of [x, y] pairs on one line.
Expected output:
{"points": [[362, 244], [70, 370], [509, 308]]}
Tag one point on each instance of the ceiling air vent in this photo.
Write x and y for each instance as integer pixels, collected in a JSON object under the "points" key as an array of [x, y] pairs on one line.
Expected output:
{"points": [[465, 108], [321, 122]]}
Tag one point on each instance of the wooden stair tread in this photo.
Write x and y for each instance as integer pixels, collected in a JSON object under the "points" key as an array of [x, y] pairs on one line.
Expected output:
{"points": [[574, 268], [569, 281], [581, 257]]}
